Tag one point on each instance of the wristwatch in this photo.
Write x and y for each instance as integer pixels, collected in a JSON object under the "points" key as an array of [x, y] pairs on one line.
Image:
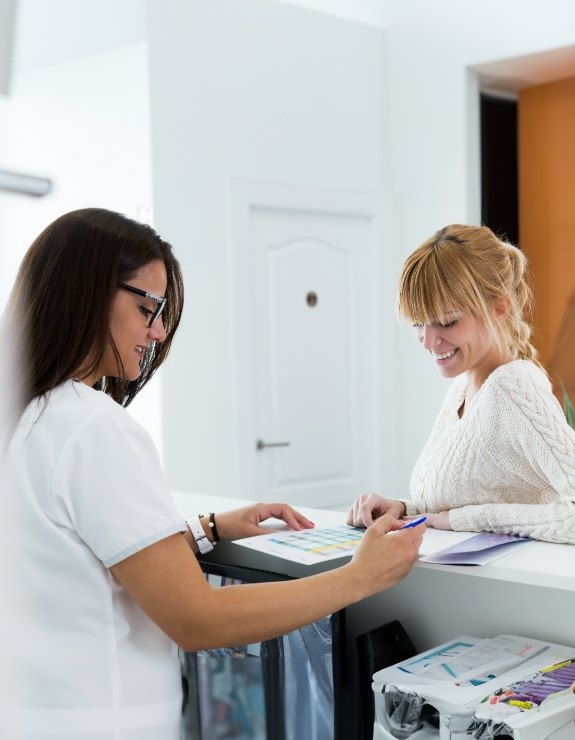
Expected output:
{"points": [[204, 545]]}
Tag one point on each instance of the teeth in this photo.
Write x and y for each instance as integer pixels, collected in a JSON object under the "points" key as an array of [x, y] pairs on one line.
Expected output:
{"points": [[443, 356]]}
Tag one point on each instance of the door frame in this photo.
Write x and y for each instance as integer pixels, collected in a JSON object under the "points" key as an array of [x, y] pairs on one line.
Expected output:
{"points": [[244, 196]]}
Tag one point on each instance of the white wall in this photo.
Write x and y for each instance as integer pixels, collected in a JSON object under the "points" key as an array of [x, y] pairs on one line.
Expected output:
{"points": [[78, 113], [85, 126], [370, 12]]}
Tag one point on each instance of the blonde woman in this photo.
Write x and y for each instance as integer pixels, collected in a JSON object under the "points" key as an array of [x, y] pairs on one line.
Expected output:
{"points": [[501, 456]]}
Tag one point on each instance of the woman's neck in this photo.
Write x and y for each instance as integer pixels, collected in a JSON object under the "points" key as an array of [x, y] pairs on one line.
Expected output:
{"points": [[477, 377]]}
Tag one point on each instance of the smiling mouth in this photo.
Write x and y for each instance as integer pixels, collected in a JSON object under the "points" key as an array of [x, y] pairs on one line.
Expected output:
{"points": [[440, 356]]}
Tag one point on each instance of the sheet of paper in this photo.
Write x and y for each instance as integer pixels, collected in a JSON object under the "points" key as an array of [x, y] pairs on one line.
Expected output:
{"points": [[479, 549], [308, 546], [429, 663], [468, 661]]}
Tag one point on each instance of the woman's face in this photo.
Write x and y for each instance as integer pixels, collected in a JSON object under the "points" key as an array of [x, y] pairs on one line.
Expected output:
{"points": [[461, 343], [129, 324]]}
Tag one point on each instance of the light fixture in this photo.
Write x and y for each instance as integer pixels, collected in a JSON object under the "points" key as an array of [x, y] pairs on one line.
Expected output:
{"points": [[27, 184]]}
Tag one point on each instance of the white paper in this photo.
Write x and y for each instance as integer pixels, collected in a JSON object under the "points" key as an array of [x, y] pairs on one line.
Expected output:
{"points": [[479, 549]]}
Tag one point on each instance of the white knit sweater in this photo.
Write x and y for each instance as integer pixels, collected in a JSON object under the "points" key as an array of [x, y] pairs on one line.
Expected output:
{"points": [[508, 465]]}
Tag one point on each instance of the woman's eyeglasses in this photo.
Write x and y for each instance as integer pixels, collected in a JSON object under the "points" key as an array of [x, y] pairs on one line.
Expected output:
{"points": [[151, 296]]}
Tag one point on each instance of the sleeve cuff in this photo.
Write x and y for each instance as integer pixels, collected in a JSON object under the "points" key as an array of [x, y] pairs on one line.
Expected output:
{"points": [[410, 508], [460, 523]]}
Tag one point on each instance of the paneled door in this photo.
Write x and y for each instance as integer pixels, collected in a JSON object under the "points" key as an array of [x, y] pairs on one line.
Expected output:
{"points": [[312, 354]]}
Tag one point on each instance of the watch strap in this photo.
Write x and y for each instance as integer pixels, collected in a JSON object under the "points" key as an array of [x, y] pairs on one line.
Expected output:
{"points": [[204, 545]]}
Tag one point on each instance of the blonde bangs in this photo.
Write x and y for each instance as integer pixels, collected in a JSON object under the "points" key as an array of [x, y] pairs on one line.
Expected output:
{"points": [[434, 284]]}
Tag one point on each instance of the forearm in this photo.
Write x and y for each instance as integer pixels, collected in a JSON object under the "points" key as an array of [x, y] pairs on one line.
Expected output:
{"points": [[166, 581], [233, 615], [549, 522]]}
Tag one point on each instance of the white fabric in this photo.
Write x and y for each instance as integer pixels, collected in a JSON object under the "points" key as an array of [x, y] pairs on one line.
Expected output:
{"points": [[81, 489], [507, 465]]}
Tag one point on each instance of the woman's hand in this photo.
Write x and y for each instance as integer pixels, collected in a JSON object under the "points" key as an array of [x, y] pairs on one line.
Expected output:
{"points": [[369, 507], [440, 520], [385, 554], [245, 522]]}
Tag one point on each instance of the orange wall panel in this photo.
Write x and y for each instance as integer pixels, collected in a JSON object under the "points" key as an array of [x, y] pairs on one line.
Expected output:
{"points": [[547, 217]]}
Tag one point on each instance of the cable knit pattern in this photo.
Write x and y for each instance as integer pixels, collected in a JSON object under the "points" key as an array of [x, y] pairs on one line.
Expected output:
{"points": [[508, 465]]}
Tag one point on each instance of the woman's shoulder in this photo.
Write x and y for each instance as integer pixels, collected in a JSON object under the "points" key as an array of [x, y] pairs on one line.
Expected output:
{"points": [[75, 397], [519, 376], [73, 407], [520, 393]]}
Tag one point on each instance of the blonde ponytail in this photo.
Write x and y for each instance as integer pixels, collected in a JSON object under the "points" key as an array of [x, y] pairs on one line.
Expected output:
{"points": [[517, 331]]}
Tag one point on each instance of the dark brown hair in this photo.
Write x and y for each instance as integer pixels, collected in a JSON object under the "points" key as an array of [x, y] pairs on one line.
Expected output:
{"points": [[61, 303]]}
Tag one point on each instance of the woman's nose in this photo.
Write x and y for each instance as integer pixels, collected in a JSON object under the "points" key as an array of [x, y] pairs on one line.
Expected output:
{"points": [[430, 337], [157, 331]]}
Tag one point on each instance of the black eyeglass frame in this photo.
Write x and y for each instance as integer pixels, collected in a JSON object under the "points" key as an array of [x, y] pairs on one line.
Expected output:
{"points": [[152, 296]]}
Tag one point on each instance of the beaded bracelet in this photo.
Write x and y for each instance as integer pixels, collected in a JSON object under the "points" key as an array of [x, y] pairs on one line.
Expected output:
{"points": [[212, 524]]}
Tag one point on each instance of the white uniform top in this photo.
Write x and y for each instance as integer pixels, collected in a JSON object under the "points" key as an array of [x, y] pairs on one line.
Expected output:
{"points": [[81, 489]]}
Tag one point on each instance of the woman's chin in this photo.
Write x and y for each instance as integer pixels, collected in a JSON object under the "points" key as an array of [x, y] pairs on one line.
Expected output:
{"points": [[133, 373]]}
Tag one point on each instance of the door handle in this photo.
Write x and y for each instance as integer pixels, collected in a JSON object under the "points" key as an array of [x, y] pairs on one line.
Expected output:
{"points": [[260, 444]]}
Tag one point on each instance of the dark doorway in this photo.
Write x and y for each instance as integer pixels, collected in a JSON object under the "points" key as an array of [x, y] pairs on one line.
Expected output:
{"points": [[499, 175]]}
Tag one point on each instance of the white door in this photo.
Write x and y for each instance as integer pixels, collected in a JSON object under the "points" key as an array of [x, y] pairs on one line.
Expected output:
{"points": [[312, 379]]}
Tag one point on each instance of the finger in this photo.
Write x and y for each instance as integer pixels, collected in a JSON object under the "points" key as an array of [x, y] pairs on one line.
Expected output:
{"points": [[353, 515], [365, 515], [291, 517], [302, 520], [413, 535], [350, 519], [398, 524], [385, 524], [357, 520]]}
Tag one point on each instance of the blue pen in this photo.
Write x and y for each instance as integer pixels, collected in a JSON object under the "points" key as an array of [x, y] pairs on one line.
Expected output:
{"points": [[414, 522]]}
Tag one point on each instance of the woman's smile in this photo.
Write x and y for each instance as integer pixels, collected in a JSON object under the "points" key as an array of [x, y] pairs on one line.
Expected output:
{"points": [[442, 358]]}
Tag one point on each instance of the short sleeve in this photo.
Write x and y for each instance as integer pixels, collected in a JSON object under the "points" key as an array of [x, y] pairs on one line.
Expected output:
{"points": [[109, 486]]}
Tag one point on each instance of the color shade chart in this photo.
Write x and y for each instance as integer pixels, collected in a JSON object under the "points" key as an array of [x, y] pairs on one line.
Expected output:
{"points": [[307, 546]]}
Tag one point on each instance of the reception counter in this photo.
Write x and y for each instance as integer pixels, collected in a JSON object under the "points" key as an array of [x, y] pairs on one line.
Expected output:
{"points": [[530, 591]]}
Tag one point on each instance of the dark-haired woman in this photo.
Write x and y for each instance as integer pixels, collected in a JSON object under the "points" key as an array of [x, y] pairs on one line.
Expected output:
{"points": [[98, 584]]}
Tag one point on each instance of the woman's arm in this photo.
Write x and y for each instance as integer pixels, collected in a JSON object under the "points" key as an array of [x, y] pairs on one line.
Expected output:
{"points": [[166, 581], [549, 522], [245, 522], [524, 438]]}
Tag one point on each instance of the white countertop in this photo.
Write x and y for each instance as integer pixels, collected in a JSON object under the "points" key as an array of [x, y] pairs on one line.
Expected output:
{"points": [[540, 564]]}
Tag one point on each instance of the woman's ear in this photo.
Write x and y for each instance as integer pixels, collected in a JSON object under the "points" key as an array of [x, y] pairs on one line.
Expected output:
{"points": [[502, 307]]}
